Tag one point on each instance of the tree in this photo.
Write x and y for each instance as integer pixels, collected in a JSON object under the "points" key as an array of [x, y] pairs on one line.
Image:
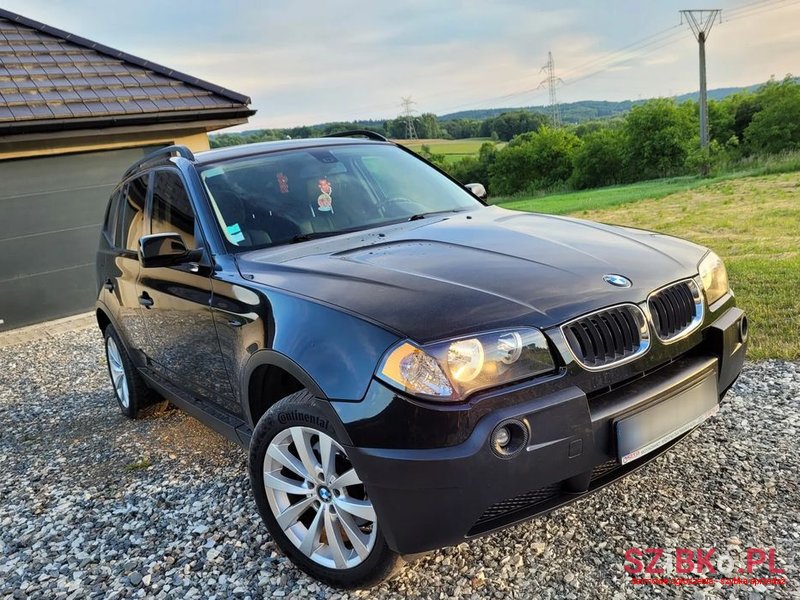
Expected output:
{"points": [[600, 160], [510, 124], [776, 127], [541, 160], [475, 170], [658, 134]]}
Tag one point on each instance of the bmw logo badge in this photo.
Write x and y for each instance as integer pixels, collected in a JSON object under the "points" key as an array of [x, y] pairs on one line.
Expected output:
{"points": [[617, 280]]}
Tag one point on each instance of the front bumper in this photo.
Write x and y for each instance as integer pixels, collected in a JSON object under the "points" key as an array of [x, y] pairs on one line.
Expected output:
{"points": [[428, 498]]}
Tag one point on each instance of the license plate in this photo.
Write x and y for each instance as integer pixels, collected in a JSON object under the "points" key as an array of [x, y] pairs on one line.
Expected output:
{"points": [[661, 423]]}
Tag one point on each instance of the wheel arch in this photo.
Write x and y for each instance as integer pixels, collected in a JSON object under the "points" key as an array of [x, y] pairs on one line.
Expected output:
{"points": [[270, 376]]}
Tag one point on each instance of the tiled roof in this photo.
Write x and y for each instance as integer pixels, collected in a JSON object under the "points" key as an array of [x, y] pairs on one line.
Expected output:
{"points": [[48, 75]]}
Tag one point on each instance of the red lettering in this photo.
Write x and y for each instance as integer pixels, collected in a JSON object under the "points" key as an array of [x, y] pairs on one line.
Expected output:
{"points": [[704, 561], [772, 568], [754, 557], [683, 560], [632, 555], [651, 566]]}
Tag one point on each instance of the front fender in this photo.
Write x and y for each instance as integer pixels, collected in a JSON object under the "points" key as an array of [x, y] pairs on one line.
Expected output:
{"points": [[331, 351]]}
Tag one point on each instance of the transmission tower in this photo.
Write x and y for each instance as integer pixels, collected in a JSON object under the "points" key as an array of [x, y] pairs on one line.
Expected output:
{"points": [[408, 113], [552, 81], [701, 22]]}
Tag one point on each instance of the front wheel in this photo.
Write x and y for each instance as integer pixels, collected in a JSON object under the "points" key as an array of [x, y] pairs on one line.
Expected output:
{"points": [[312, 499]]}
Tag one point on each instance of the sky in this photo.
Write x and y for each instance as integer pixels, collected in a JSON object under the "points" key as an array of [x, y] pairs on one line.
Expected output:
{"points": [[304, 62]]}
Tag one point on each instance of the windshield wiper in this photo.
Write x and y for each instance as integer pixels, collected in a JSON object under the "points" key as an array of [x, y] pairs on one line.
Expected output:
{"points": [[305, 237], [419, 216], [315, 235]]}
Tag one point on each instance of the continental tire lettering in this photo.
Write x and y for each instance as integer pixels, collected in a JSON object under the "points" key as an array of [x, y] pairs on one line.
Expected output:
{"points": [[285, 417]]}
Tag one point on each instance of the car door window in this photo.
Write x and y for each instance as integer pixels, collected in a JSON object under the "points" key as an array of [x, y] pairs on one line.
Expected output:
{"points": [[110, 222], [130, 225], [172, 209]]}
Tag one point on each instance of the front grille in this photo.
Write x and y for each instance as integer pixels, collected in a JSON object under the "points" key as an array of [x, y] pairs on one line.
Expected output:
{"points": [[607, 337], [676, 310], [517, 503]]}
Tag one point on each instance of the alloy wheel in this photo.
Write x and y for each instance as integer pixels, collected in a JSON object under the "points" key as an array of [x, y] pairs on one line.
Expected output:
{"points": [[117, 371], [318, 499]]}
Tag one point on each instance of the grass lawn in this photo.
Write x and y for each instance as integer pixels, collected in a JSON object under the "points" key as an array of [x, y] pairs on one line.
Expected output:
{"points": [[753, 223], [453, 150]]}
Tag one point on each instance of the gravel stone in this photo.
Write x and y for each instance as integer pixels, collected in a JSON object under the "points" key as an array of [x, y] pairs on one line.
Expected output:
{"points": [[79, 520]]}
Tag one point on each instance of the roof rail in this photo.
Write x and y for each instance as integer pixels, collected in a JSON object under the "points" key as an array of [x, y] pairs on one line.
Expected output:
{"points": [[161, 153], [371, 135]]}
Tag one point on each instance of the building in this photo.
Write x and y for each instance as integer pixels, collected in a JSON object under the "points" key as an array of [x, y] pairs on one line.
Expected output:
{"points": [[73, 115]]}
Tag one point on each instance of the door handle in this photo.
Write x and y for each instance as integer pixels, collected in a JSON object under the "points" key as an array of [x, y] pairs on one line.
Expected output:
{"points": [[108, 285], [145, 300]]}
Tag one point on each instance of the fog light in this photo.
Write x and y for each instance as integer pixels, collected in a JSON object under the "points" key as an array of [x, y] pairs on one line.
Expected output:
{"points": [[509, 438], [502, 436]]}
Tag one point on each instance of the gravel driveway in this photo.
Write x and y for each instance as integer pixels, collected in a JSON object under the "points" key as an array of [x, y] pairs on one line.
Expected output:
{"points": [[93, 505]]}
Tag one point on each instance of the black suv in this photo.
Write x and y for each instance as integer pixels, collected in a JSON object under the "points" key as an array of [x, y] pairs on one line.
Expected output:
{"points": [[407, 366]]}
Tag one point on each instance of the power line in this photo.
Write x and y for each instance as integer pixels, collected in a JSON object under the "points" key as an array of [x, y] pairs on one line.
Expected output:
{"points": [[552, 81], [757, 10]]}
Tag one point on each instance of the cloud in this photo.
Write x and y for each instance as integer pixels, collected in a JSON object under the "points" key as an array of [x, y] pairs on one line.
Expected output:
{"points": [[307, 61]]}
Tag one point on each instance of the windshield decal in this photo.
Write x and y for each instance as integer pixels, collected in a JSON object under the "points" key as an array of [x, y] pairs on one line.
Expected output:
{"points": [[324, 200], [235, 234]]}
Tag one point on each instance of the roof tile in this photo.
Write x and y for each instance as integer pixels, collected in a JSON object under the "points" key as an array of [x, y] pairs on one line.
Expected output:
{"points": [[46, 74]]}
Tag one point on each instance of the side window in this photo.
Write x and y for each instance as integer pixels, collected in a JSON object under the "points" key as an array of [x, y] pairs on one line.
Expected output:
{"points": [[110, 223], [172, 209], [131, 217]]}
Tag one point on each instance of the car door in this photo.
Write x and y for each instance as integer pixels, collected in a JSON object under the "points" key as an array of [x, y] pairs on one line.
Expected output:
{"points": [[182, 339], [119, 285]]}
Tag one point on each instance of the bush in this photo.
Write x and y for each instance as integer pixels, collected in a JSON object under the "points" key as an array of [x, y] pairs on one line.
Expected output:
{"points": [[534, 161], [776, 127], [600, 160], [659, 133]]}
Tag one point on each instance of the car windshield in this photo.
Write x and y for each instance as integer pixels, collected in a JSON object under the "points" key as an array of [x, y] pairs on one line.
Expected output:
{"points": [[296, 195]]}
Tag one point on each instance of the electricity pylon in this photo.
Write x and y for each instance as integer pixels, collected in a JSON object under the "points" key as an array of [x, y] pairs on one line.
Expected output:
{"points": [[701, 22], [408, 113], [552, 81]]}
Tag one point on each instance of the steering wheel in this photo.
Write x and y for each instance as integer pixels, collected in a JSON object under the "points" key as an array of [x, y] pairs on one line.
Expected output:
{"points": [[390, 205]]}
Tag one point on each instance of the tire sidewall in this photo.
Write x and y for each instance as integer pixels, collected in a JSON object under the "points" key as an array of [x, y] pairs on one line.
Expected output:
{"points": [[301, 409], [130, 410]]}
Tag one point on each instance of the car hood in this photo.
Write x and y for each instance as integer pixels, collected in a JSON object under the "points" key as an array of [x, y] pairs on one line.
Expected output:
{"points": [[488, 268]]}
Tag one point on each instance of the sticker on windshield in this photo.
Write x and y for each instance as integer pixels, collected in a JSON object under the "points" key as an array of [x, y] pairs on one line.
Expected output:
{"points": [[324, 200], [235, 233]]}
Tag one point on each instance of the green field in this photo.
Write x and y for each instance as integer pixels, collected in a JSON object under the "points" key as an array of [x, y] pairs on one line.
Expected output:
{"points": [[453, 150], [753, 223]]}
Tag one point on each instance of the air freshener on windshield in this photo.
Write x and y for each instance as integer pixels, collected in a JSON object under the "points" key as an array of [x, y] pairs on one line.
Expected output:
{"points": [[324, 200]]}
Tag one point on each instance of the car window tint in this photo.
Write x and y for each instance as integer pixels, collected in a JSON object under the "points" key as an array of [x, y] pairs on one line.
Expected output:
{"points": [[110, 222], [291, 196], [172, 210], [131, 218]]}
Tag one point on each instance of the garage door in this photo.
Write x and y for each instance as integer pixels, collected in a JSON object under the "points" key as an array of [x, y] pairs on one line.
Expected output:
{"points": [[50, 214]]}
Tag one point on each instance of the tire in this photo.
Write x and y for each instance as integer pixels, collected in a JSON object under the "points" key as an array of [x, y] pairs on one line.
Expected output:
{"points": [[320, 508], [134, 398]]}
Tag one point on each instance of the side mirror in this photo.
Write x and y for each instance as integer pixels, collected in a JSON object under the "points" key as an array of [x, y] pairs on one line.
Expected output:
{"points": [[165, 250], [477, 189]]}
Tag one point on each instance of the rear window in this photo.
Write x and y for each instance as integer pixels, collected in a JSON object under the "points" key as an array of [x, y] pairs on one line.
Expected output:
{"points": [[131, 219]]}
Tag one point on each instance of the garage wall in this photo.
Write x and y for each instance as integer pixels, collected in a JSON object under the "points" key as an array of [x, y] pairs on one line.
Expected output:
{"points": [[51, 210]]}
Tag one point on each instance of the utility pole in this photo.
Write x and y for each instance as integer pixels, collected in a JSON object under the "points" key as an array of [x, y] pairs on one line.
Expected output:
{"points": [[408, 113], [701, 22], [552, 81]]}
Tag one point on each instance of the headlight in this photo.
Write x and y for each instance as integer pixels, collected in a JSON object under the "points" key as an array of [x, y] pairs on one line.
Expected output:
{"points": [[451, 370], [714, 277]]}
